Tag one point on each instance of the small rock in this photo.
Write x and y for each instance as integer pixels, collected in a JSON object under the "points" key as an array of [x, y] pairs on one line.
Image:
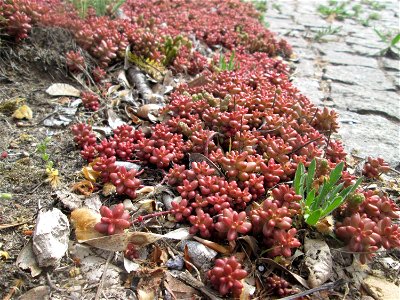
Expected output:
{"points": [[92, 268], [175, 263], [40, 292], [128, 205], [199, 254], [50, 239]]}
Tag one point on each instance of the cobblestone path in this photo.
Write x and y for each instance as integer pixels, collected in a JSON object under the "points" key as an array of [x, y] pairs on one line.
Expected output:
{"points": [[345, 71]]}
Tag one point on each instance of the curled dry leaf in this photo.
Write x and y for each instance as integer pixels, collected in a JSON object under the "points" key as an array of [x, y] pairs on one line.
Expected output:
{"points": [[26, 260], [24, 112], [148, 111], [89, 173], [318, 260], [62, 89], [212, 245], [84, 219], [108, 189]]}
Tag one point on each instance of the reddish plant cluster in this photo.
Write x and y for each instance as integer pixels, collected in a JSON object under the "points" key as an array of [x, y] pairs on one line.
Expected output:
{"points": [[75, 61], [90, 101], [106, 152], [226, 276], [367, 224], [374, 167], [113, 220], [278, 286]]}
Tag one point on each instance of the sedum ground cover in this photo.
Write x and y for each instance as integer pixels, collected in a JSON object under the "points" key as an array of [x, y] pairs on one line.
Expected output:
{"points": [[227, 139]]}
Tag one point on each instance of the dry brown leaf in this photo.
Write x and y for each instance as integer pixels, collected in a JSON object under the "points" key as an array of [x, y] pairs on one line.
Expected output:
{"points": [[159, 256], [149, 284], [178, 289], [252, 242], [24, 112], [300, 279], [85, 187], [187, 258], [148, 111], [212, 245], [84, 220]]}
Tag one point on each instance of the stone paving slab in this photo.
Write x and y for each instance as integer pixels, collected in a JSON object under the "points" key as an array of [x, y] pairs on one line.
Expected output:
{"points": [[345, 71]]}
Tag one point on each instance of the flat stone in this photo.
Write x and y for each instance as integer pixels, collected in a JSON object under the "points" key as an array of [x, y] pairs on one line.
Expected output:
{"points": [[370, 135], [310, 20], [357, 75], [341, 58], [338, 47], [361, 41], [305, 68], [50, 238], [354, 98], [309, 87], [391, 64], [365, 50]]}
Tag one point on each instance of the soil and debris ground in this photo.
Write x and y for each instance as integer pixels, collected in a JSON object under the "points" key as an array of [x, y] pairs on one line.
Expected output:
{"points": [[26, 72]]}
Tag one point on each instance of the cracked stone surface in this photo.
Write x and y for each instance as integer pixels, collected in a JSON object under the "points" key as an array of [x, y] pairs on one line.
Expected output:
{"points": [[346, 71]]}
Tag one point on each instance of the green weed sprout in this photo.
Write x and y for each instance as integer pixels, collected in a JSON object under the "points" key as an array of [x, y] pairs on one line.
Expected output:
{"points": [[317, 204]]}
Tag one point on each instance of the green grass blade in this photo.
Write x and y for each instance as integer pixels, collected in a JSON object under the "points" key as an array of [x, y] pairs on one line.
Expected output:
{"points": [[310, 198], [118, 5], [332, 206], [310, 175], [336, 174], [350, 189], [313, 217], [395, 40], [297, 178]]}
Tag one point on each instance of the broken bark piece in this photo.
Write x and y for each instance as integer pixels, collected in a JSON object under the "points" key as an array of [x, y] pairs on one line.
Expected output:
{"points": [[137, 79]]}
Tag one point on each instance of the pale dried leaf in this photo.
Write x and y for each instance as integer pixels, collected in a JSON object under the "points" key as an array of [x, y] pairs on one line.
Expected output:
{"points": [[39, 292], [26, 260], [24, 112], [130, 266], [318, 260], [62, 89], [108, 189], [113, 120]]}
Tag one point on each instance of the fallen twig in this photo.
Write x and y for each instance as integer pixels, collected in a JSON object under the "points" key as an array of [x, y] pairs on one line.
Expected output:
{"points": [[327, 286], [103, 277]]}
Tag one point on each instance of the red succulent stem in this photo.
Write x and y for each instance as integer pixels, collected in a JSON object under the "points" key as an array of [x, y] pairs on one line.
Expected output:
{"points": [[140, 219]]}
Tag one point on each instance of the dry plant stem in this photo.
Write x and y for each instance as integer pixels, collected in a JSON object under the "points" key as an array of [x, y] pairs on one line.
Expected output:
{"points": [[13, 289], [149, 216], [190, 280], [52, 285], [103, 277], [327, 286]]}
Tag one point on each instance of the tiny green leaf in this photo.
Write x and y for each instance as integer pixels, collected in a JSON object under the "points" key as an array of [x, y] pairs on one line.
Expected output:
{"points": [[332, 206], [313, 217], [310, 175], [310, 198], [395, 40], [336, 173]]}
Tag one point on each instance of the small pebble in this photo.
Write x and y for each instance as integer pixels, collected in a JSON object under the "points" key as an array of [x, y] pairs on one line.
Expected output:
{"points": [[175, 263]]}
